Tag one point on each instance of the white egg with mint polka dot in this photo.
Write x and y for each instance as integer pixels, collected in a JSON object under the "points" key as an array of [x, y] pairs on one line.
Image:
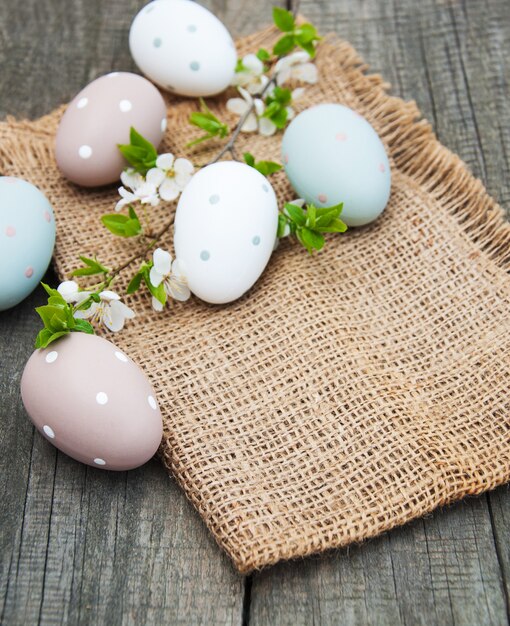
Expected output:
{"points": [[27, 238], [183, 47], [331, 154], [99, 118], [225, 229], [92, 402]]}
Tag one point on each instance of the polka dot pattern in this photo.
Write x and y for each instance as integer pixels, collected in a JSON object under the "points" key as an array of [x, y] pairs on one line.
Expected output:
{"points": [[51, 357], [265, 188], [286, 159], [48, 431], [341, 137], [85, 152], [152, 402], [191, 28], [121, 356], [256, 240], [195, 66], [101, 398], [10, 231], [47, 216], [29, 272], [214, 199], [125, 106], [157, 42], [204, 255], [163, 124], [99, 461], [382, 168], [323, 198], [82, 103]]}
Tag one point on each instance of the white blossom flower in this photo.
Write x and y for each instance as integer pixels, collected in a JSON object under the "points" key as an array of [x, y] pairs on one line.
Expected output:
{"points": [[296, 66], [170, 175], [71, 293], [239, 106], [251, 77], [171, 275], [109, 311], [136, 189]]}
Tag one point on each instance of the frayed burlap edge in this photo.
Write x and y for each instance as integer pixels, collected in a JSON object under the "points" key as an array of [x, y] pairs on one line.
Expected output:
{"points": [[416, 154]]}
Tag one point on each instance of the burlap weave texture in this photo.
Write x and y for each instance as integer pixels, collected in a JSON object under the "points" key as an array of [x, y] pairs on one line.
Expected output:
{"points": [[346, 393]]}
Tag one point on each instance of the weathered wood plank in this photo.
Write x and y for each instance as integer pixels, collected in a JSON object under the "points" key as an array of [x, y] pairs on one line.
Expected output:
{"points": [[451, 57], [79, 545], [439, 570]]}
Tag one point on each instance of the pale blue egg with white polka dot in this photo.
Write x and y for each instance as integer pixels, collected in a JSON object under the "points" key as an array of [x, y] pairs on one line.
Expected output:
{"points": [[27, 238], [225, 230], [331, 154]]}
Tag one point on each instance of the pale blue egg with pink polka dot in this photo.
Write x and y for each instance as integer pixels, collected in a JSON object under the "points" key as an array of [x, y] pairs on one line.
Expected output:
{"points": [[332, 154], [27, 239]]}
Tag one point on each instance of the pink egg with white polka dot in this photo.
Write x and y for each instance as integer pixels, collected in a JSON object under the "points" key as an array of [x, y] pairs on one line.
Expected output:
{"points": [[92, 402], [99, 118]]}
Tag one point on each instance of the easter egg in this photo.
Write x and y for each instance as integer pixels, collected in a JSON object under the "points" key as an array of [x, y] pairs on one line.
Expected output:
{"points": [[183, 47], [92, 402], [331, 154], [225, 229], [99, 118], [27, 238]]}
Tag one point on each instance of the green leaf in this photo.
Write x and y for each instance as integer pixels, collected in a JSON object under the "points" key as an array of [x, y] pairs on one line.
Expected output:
{"points": [[308, 47], [239, 66], [279, 117], [92, 267], [264, 167], [310, 215], [249, 159], [263, 55], [53, 317], [283, 19], [139, 153], [206, 120], [295, 213], [284, 45], [52, 292], [138, 140], [306, 33], [134, 283], [158, 292], [122, 225], [45, 337], [83, 326], [42, 338], [311, 239], [336, 226], [283, 222], [282, 95]]}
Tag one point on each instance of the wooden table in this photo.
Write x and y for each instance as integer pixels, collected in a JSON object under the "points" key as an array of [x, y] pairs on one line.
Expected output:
{"points": [[79, 545]]}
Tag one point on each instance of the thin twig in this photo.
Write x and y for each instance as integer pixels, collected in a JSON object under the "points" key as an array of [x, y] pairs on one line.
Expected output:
{"points": [[230, 145], [155, 238]]}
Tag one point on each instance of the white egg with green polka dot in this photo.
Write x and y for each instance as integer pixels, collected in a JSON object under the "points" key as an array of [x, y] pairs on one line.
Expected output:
{"points": [[226, 223], [183, 47]]}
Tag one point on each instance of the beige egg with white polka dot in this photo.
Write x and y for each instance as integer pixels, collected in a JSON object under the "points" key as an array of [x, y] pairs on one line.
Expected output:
{"points": [[92, 402], [99, 118]]}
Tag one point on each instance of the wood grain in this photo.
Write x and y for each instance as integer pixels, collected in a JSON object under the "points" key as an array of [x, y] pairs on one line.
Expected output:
{"points": [[82, 546]]}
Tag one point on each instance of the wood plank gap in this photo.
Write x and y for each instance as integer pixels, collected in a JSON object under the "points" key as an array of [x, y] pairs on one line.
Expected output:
{"points": [[499, 554], [248, 584]]}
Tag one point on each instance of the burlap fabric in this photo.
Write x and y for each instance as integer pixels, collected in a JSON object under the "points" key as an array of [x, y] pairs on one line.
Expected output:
{"points": [[345, 393]]}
